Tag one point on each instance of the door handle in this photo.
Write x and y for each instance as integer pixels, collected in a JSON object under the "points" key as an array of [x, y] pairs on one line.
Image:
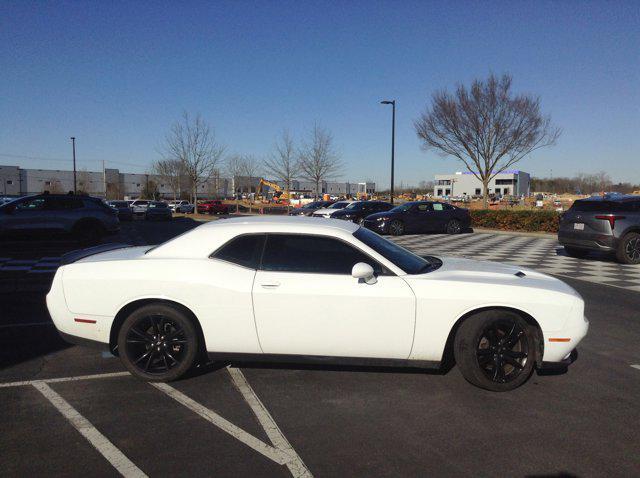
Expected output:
{"points": [[270, 285]]}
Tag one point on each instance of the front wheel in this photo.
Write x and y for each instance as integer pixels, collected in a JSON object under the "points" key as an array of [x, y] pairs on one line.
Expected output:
{"points": [[628, 251], [158, 343], [453, 227], [495, 350], [396, 228]]}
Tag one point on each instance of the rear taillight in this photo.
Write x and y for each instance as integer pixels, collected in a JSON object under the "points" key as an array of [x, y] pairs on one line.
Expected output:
{"points": [[612, 218]]}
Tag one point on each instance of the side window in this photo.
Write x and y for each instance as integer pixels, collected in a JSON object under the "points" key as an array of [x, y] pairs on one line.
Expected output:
{"points": [[312, 254], [438, 206], [31, 205], [426, 207], [242, 250]]}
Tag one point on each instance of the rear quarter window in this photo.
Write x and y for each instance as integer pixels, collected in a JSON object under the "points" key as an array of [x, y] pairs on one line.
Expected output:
{"points": [[244, 250]]}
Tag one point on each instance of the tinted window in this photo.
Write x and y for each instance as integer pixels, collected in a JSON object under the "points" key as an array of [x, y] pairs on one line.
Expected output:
{"points": [[31, 204], [314, 254], [405, 260], [242, 250], [438, 207], [600, 206], [424, 207], [61, 203]]}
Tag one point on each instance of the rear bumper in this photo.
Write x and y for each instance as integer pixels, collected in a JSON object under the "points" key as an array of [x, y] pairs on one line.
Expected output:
{"points": [[590, 241]]}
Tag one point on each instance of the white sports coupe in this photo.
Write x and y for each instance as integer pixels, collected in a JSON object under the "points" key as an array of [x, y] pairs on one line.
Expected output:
{"points": [[302, 288]]}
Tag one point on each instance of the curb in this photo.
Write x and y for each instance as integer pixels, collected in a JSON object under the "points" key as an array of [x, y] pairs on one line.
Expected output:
{"points": [[547, 235]]}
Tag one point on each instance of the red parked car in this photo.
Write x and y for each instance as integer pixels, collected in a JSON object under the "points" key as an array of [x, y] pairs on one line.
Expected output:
{"points": [[213, 207]]}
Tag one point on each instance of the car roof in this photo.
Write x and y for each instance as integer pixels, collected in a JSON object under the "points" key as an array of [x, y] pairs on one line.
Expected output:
{"points": [[612, 198], [204, 239]]}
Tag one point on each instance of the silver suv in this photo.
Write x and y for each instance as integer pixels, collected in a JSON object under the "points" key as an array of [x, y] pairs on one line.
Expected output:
{"points": [[603, 223], [86, 218]]}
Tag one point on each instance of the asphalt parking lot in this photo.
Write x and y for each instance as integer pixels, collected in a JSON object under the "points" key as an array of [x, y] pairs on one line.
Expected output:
{"points": [[72, 411]]}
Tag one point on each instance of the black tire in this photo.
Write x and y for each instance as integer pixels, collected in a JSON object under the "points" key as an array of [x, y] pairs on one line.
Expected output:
{"points": [[396, 228], [158, 343], [628, 251], [88, 233], [577, 253], [495, 350], [453, 227]]}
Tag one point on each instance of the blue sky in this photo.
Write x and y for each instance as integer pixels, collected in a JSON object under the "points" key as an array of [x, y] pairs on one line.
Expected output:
{"points": [[117, 74]]}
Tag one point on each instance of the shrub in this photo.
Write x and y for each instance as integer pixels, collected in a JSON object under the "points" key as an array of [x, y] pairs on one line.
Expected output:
{"points": [[514, 220]]}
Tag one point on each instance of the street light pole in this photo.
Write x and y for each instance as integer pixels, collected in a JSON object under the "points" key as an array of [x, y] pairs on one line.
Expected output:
{"points": [[73, 142], [393, 140]]}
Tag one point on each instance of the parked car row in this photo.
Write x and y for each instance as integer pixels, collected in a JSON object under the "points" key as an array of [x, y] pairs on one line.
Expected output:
{"points": [[382, 217], [83, 217]]}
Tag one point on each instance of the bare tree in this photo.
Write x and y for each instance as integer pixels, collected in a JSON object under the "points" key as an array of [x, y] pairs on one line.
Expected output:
{"points": [[283, 163], [193, 144], [171, 172], [319, 159], [235, 168], [485, 127]]}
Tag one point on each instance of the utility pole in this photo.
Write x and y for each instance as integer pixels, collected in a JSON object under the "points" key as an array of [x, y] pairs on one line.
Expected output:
{"points": [[73, 142], [104, 180], [393, 140]]}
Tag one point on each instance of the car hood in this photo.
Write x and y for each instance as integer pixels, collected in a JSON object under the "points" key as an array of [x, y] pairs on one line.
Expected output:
{"points": [[456, 269], [379, 215], [326, 210]]}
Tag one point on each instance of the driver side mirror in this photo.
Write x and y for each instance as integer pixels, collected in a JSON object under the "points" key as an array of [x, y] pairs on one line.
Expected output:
{"points": [[364, 273]]}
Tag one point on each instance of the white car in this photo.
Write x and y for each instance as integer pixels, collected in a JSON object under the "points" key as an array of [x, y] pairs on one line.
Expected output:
{"points": [[328, 211], [266, 287]]}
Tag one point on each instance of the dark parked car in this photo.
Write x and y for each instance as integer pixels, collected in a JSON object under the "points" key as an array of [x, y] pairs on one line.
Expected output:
{"points": [[420, 216], [86, 218], [309, 208], [604, 223], [213, 207], [158, 211], [357, 211], [125, 213]]}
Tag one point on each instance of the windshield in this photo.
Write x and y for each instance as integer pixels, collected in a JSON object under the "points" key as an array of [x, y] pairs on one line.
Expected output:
{"points": [[405, 260], [157, 204], [403, 208], [354, 206], [338, 205], [312, 205]]}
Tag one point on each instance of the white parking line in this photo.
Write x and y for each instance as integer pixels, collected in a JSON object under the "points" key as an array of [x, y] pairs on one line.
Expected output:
{"points": [[113, 455], [65, 379], [238, 433], [636, 366], [296, 466]]}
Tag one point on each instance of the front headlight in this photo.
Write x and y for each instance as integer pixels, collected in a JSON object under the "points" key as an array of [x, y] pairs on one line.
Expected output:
{"points": [[382, 219]]}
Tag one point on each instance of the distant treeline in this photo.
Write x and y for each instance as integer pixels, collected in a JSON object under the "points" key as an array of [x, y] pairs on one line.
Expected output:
{"points": [[581, 184]]}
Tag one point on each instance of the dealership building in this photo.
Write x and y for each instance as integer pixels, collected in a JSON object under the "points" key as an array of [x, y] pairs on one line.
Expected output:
{"points": [[506, 183]]}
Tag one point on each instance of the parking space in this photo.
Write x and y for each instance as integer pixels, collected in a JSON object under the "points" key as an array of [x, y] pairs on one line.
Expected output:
{"points": [[251, 419]]}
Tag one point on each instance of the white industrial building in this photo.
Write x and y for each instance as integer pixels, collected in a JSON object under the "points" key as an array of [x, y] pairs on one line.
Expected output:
{"points": [[506, 183]]}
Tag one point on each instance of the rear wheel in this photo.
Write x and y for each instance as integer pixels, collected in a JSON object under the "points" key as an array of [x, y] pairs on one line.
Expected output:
{"points": [[628, 251], [494, 350], [158, 343], [453, 227], [578, 253], [396, 228]]}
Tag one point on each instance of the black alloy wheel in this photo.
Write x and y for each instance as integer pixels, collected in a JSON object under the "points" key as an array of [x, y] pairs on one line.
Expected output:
{"points": [[453, 227], [396, 228], [495, 350], [158, 343], [502, 351], [629, 249]]}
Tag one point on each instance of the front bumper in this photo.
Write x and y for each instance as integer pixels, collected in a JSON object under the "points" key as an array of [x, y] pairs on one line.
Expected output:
{"points": [[557, 352], [381, 227]]}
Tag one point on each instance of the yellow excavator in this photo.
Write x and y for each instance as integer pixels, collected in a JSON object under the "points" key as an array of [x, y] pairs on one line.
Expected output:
{"points": [[279, 195]]}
